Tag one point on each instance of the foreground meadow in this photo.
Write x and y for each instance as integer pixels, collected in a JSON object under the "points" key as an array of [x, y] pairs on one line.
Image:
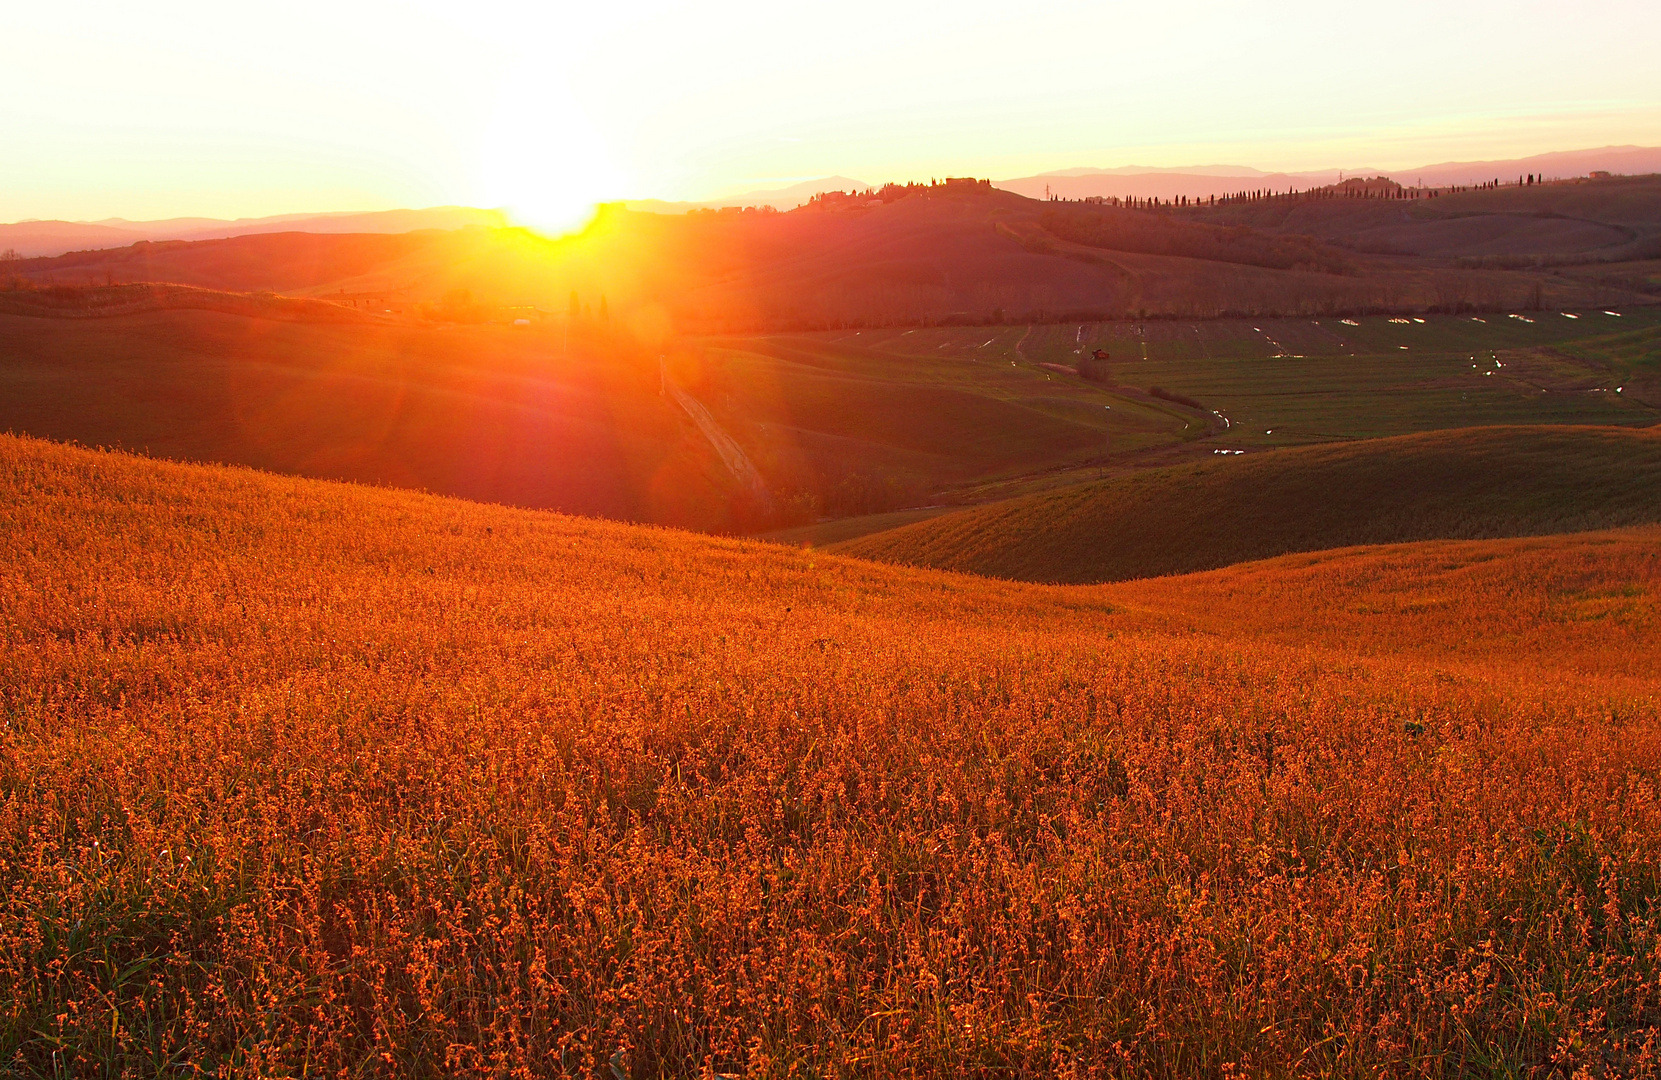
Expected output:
{"points": [[300, 778]]}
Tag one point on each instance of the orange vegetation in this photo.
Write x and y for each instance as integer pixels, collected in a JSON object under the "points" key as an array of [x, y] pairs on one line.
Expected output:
{"points": [[302, 778]]}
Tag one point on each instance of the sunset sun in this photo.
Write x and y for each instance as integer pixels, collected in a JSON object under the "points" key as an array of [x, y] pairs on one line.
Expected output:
{"points": [[544, 161]]}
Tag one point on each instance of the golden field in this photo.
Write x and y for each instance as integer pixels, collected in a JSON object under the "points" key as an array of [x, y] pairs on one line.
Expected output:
{"points": [[300, 778]]}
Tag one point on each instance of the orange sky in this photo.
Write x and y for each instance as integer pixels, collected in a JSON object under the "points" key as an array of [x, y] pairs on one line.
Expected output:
{"points": [[173, 108]]}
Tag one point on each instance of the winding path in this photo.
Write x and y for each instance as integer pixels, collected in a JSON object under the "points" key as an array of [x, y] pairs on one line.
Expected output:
{"points": [[726, 448]]}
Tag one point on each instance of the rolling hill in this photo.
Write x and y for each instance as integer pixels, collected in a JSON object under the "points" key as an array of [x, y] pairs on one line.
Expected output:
{"points": [[506, 414], [1472, 482], [311, 775], [578, 419], [836, 424], [286, 262], [35, 239], [50, 238], [959, 252], [1603, 221]]}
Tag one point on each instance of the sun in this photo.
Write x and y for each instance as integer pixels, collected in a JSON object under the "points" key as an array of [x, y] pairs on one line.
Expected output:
{"points": [[545, 162], [548, 183]]}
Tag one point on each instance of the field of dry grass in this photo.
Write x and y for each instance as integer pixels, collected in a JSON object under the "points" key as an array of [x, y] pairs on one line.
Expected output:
{"points": [[1464, 483], [300, 778]]}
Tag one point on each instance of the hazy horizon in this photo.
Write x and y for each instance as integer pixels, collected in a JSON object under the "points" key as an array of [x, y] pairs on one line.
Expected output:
{"points": [[193, 110], [803, 184]]}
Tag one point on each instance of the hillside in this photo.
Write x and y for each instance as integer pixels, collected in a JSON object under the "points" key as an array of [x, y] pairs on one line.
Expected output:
{"points": [[952, 253], [533, 415], [1612, 220], [108, 301], [299, 775], [1473, 482], [836, 424], [1281, 382], [515, 415], [288, 262], [45, 239]]}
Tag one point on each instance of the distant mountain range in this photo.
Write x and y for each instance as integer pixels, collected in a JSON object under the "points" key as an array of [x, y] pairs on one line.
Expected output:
{"points": [[46, 238], [1200, 181], [1203, 180]]}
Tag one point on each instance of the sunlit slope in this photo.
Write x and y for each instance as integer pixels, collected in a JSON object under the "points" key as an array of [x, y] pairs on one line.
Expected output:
{"points": [[1548, 223], [861, 430], [957, 253], [515, 415], [531, 416], [309, 775], [288, 262], [1473, 482], [1578, 602]]}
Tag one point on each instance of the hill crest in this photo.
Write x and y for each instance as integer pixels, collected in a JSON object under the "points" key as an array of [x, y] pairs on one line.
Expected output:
{"points": [[1463, 483]]}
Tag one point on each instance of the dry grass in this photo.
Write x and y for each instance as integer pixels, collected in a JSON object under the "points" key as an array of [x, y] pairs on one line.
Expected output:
{"points": [[300, 778]]}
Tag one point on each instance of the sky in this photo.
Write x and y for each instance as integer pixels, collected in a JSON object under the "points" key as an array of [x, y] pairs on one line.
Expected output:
{"points": [[174, 108]]}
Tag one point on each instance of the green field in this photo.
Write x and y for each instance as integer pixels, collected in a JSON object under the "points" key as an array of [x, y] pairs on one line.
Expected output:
{"points": [[1465, 484], [916, 417], [843, 427], [887, 430], [1290, 381]]}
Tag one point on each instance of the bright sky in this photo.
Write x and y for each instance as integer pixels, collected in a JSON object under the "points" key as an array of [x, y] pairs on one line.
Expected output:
{"points": [[183, 108]]}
